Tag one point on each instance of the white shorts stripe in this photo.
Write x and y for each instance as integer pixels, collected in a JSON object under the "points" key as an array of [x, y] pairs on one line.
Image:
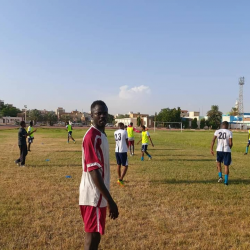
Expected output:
{"points": [[97, 219]]}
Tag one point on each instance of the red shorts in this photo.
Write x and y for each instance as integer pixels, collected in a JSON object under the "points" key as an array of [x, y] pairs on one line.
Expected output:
{"points": [[93, 218], [131, 143]]}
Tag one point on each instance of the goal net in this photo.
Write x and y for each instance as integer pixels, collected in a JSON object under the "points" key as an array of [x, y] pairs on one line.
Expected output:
{"points": [[168, 125]]}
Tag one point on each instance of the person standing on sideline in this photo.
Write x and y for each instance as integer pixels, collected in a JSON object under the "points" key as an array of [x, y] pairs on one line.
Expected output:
{"points": [[31, 136], [121, 149], [70, 131], [131, 139], [22, 134], [145, 137], [248, 138], [94, 197], [224, 144]]}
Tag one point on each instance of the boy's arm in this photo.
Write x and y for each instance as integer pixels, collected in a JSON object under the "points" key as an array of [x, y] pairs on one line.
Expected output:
{"points": [[30, 133], [230, 142], [127, 142], [139, 141], [98, 181], [151, 141], [136, 130], [212, 145]]}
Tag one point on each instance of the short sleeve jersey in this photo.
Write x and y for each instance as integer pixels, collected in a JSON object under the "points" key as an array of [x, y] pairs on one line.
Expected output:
{"points": [[69, 127], [223, 136], [120, 139], [95, 155], [22, 137]]}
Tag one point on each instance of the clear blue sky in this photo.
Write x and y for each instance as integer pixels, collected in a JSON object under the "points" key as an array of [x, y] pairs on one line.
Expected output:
{"points": [[135, 55]]}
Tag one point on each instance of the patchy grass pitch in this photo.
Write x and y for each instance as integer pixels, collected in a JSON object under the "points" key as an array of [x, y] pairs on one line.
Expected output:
{"points": [[171, 202]]}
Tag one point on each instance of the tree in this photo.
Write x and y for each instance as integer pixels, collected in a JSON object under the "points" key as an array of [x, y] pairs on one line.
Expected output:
{"points": [[234, 112], [35, 115], [110, 119], [138, 121], [65, 118], [194, 124], [50, 117], [185, 123], [7, 110], [122, 116], [214, 116], [169, 115], [202, 123]]}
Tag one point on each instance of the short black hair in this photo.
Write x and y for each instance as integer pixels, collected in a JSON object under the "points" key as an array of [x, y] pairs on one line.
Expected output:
{"points": [[143, 127], [225, 123], [31, 123], [22, 123], [98, 102], [131, 123], [120, 124]]}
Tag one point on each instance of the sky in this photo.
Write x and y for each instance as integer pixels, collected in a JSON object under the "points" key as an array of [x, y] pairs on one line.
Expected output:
{"points": [[136, 55]]}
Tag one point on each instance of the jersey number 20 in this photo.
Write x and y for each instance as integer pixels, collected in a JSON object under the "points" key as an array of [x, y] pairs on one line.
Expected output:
{"points": [[222, 135]]}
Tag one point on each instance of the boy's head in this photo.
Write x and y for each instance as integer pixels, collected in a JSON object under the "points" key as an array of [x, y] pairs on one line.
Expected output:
{"points": [[31, 123], [131, 124], [225, 124], [23, 124], [121, 125], [143, 128]]}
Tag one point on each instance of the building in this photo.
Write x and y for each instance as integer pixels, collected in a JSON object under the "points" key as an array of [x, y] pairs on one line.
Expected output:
{"points": [[236, 122], [7, 120], [146, 120]]}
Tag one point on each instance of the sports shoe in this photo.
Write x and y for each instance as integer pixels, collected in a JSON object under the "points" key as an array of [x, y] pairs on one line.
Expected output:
{"points": [[150, 158], [132, 154], [120, 182], [245, 154], [142, 159], [220, 180], [75, 142], [22, 166], [226, 184], [17, 163]]}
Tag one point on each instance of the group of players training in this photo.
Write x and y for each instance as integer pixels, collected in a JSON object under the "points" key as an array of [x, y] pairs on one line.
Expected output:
{"points": [[94, 195]]}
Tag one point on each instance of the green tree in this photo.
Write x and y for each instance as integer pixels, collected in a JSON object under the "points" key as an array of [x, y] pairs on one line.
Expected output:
{"points": [[169, 115], [202, 123], [65, 118], [122, 116], [110, 119], [138, 121], [214, 116], [194, 124], [234, 111], [50, 118], [7, 110], [35, 115], [185, 123]]}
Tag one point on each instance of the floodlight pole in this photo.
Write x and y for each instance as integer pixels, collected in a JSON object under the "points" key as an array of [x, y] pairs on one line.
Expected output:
{"points": [[25, 106]]}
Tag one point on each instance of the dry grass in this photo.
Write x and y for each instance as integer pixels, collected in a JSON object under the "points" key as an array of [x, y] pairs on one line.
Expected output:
{"points": [[171, 202]]}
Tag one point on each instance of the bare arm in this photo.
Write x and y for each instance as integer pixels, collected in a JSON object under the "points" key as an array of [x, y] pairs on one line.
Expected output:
{"points": [[98, 181], [212, 145], [139, 141], [230, 142], [127, 142], [30, 133], [151, 141]]}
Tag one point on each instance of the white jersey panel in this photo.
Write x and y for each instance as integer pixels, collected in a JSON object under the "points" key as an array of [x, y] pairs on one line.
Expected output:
{"points": [[223, 136], [120, 139]]}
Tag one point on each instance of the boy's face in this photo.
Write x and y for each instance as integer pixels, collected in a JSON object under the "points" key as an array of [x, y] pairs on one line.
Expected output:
{"points": [[100, 115]]}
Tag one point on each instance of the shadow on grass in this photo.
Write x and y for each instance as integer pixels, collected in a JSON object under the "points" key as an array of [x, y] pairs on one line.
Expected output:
{"points": [[151, 149], [54, 165], [176, 181]]}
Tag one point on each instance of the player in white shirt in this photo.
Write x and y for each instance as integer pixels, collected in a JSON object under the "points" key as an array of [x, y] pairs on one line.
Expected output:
{"points": [[121, 149], [94, 195], [224, 145]]}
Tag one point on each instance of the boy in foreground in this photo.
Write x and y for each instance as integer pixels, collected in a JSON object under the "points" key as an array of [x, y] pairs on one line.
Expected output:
{"points": [[224, 144], [121, 149], [22, 135], [94, 195], [145, 137]]}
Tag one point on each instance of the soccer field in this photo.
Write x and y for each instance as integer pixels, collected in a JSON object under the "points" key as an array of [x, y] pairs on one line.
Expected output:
{"points": [[171, 202]]}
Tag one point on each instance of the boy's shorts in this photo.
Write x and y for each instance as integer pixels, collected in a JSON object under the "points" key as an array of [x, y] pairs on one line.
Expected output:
{"points": [[224, 157], [94, 218], [121, 159], [144, 148], [30, 139]]}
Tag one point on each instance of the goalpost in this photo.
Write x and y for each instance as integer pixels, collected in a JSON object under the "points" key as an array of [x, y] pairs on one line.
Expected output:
{"points": [[158, 124]]}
